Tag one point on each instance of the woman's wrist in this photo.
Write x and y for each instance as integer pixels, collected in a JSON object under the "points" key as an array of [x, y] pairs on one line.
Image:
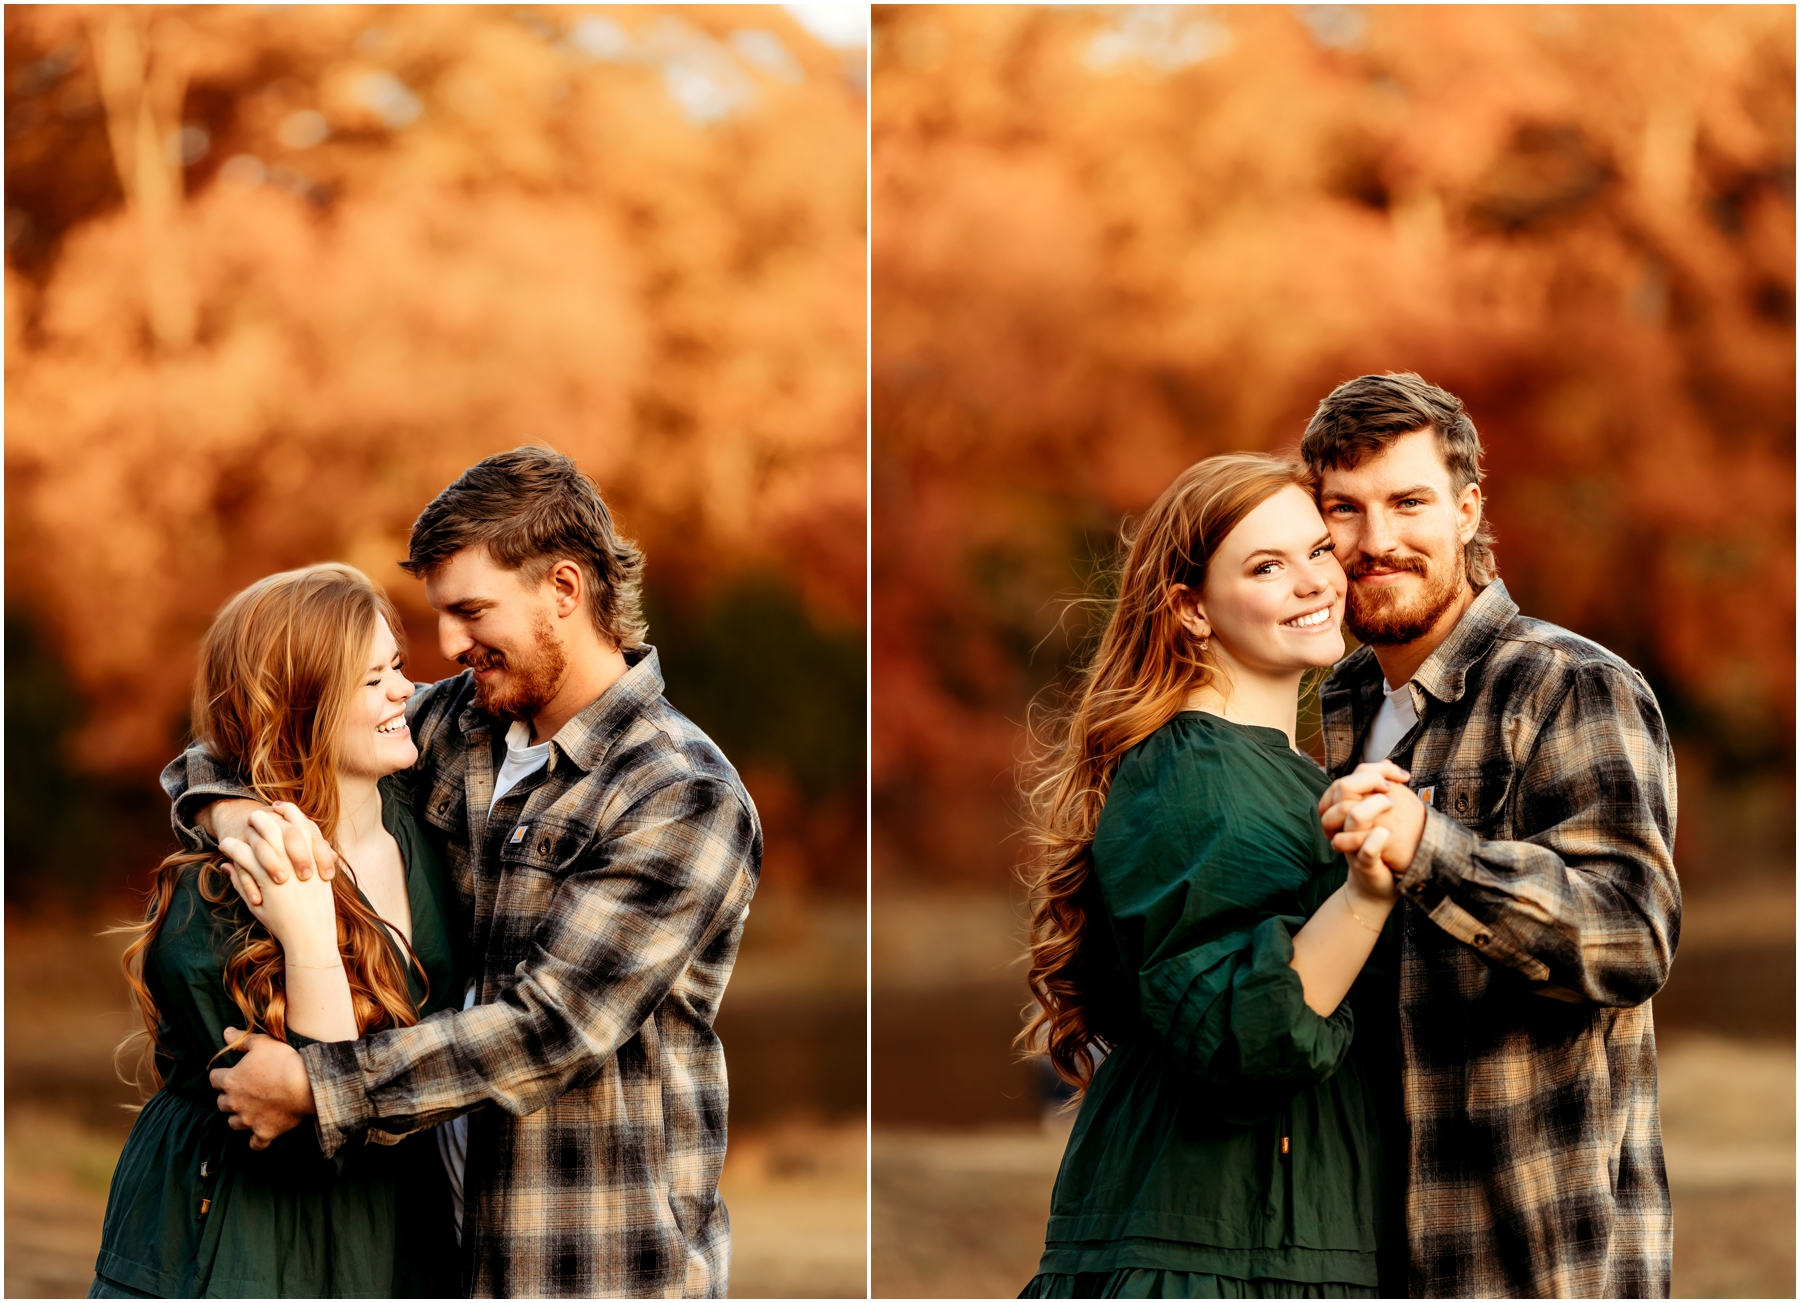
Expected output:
{"points": [[312, 957], [1371, 907]]}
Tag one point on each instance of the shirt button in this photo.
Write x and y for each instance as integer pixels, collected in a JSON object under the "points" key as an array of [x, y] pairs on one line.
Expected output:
{"points": [[443, 805], [544, 847], [1482, 938]]}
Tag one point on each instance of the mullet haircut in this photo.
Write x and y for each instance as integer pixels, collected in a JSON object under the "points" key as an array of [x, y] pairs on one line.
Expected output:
{"points": [[531, 508], [1362, 417]]}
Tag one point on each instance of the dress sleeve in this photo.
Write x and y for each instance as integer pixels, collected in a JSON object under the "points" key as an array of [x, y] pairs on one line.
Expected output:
{"points": [[1208, 895], [190, 992], [1232, 1012]]}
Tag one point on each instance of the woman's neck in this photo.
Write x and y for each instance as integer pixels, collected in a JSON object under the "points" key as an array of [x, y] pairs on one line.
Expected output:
{"points": [[1245, 697], [360, 800]]}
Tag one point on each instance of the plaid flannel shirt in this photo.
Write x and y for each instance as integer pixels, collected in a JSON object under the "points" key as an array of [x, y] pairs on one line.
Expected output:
{"points": [[1544, 915], [605, 908]]}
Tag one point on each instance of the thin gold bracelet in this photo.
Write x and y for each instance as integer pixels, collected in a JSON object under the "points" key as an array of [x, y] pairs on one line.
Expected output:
{"points": [[340, 963], [1358, 917]]}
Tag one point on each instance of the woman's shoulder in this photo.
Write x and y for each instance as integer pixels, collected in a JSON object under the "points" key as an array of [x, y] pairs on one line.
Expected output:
{"points": [[196, 929], [1194, 747]]}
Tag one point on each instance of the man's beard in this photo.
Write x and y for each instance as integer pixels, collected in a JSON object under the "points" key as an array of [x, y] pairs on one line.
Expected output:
{"points": [[1375, 615], [529, 681]]}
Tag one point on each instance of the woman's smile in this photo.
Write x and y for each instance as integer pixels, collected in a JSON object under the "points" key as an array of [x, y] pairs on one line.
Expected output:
{"points": [[1312, 621]]}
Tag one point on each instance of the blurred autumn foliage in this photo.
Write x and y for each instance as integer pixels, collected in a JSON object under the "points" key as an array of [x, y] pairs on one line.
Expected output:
{"points": [[276, 274], [1109, 241]]}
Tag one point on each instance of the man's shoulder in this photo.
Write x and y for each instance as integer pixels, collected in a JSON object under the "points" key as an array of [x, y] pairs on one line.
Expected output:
{"points": [[661, 746], [1552, 652], [442, 701], [1354, 669]]}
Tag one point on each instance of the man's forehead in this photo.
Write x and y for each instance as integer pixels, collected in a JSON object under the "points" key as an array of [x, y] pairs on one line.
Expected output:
{"points": [[469, 575], [1413, 457]]}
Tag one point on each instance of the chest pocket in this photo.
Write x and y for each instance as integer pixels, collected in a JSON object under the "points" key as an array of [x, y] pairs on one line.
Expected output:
{"points": [[1477, 799], [547, 842], [447, 809]]}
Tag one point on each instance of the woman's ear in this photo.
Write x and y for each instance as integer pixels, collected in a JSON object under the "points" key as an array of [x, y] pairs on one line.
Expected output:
{"points": [[1189, 611]]}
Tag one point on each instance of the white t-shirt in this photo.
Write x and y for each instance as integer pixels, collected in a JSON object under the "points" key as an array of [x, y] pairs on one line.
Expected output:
{"points": [[1392, 722], [522, 761]]}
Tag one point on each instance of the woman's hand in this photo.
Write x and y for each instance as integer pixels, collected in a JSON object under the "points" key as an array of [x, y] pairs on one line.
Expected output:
{"points": [[1370, 882], [300, 913]]}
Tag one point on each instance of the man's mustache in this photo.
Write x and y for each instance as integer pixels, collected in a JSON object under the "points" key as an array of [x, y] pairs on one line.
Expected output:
{"points": [[1411, 564], [481, 660]]}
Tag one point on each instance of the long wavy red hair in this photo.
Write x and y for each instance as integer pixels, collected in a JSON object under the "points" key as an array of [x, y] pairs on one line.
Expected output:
{"points": [[1140, 677], [278, 669]]}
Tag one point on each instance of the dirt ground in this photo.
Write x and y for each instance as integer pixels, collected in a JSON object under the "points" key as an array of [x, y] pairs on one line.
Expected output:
{"points": [[961, 1214], [795, 1187]]}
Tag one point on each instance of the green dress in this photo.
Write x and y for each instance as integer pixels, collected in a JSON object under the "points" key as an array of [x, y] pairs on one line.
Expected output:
{"points": [[1232, 1144], [195, 1212]]}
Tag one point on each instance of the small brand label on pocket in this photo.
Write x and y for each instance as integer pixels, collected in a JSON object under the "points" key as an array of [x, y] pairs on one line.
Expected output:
{"points": [[518, 834], [1426, 793]]}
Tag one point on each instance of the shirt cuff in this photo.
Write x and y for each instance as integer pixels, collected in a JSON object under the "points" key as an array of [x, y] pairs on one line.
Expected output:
{"points": [[342, 1105], [186, 814], [1446, 850]]}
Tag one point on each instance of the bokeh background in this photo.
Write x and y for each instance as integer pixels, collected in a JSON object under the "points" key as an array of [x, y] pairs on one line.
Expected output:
{"points": [[1108, 241], [274, 276]]}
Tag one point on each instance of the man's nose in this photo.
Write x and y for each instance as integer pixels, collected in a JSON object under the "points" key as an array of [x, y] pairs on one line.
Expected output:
{"points": [[452, 640], [1376, 538]]}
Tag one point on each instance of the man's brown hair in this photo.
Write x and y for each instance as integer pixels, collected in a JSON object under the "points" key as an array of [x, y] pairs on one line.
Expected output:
{"points": [[1361, 417], [531, 508]]}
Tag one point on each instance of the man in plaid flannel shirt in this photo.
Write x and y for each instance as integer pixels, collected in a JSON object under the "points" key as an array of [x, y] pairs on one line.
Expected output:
{"points": [[604, 853], [1525, 776]]}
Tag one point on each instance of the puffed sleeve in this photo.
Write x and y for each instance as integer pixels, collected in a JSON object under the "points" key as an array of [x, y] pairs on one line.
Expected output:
{"points": [[1231, 1011], [1205, 895]]}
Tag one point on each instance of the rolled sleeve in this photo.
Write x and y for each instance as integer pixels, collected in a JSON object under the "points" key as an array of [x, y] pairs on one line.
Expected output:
{"points": [[1585, 904], [624, 923], [193, 780]]}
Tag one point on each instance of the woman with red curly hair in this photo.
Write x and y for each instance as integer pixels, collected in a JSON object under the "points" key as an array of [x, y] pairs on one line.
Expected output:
{"points": [[1195, 934], [300, 688]]}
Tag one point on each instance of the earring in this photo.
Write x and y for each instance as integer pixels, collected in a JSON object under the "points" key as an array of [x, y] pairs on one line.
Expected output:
{"points": [[1205, 643]]}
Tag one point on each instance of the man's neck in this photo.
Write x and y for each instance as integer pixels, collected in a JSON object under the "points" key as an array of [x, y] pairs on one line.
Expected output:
{"points": [[1400, 661], [588, 677]]}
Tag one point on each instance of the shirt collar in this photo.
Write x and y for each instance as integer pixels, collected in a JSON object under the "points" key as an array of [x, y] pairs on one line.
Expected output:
{"points": [[584, 739], [1445, 670]]}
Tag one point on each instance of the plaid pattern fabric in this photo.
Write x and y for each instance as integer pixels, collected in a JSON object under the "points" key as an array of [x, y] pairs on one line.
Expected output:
{"points": [[605, 910], [1545, 912]]}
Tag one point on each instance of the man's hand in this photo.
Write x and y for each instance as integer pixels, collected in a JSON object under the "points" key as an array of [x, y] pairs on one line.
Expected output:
{"points": [[281, 839], [1374, 796], [267, 1094]]}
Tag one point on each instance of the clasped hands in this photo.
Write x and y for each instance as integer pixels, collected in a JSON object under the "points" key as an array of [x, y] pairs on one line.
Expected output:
{"points": [[1373, 804], [282, 867]]}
